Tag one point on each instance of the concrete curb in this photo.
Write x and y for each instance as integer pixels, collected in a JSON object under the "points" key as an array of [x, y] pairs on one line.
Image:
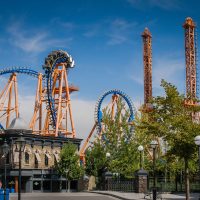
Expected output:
{"points": [[109, 194]]}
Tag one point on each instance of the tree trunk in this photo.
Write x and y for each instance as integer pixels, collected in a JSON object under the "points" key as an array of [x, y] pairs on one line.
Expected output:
{"points": [[187, 181], [68, 188]]}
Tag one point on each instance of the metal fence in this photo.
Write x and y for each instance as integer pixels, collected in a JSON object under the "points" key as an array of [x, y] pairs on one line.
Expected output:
{"points": [[173, 185], [119, 184], [163, 184]]}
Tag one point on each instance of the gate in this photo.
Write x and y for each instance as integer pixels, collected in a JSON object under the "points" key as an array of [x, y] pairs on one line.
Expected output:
{"points": [[119, 184]]}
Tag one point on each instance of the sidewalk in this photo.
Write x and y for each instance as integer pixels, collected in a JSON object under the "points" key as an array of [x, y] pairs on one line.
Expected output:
{"points": [[137, 196]]}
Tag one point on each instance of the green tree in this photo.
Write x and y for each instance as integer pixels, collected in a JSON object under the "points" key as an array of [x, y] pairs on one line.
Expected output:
{"points": [[172, 120], [95, 160], [69, 165], [116, 139]]}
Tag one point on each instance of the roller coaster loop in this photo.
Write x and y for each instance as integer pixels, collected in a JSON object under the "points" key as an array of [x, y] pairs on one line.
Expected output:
{"points": [[18, 70], [54, 58], [98, 110]]}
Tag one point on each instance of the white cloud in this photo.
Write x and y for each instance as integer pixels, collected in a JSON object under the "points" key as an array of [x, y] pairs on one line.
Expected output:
{"points": [[138, 78], [83, 114], [64, 24], [34, 41], [168, 68], [93, 30], [119, 31]]}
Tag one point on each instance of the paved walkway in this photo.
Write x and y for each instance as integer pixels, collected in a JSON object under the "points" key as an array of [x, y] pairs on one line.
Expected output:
{"points": [[137, 196], [91, 195]]}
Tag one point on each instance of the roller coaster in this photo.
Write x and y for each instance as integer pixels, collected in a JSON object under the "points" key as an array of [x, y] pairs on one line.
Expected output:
{"points": [[52, 96], [52, 114], [114, 96]]}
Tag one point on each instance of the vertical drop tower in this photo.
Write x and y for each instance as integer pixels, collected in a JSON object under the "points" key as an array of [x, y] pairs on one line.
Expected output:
{"points": [[147, 60], [190, 59]]}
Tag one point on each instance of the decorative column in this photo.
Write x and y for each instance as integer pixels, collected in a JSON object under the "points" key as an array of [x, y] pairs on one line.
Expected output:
{"points": [[141, 181]]}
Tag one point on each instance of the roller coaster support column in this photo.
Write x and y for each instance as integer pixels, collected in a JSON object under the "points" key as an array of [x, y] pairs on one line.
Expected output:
{"points": [[16, 96], [69, 105], [59, 112], [114, 102], [85, 145], [7, 93], [38, 105], [9, 104]]}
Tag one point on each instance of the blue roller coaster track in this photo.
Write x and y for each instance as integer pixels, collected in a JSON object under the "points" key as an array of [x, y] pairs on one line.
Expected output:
{"points": [[54, 58], [18, 70], [98, 109]]}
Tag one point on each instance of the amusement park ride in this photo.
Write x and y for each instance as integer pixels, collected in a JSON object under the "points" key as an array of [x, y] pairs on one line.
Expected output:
{"points": [[114, 96], [52, 114]]}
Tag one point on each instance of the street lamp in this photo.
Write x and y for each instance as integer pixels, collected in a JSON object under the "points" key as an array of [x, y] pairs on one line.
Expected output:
{"points": [[140, 149], [153, 145], [20, 145], [5, 148], [107, 155], [197, 142], [107, 161]]}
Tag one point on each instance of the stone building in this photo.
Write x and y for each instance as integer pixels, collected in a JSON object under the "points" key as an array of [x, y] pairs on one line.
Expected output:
{"points": [[38, 160]]}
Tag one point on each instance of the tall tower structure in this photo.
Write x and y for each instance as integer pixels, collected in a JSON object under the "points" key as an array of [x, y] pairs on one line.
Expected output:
{"points": [[147, 60], [190, 58]]}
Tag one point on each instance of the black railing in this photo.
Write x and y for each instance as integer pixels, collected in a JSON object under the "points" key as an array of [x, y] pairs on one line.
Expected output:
{"points": [[118, 184], [174, 185]]}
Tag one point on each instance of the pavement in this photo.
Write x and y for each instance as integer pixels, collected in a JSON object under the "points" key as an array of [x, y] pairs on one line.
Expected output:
{"points": [[99, 195], [62, 196], [137, 196]]}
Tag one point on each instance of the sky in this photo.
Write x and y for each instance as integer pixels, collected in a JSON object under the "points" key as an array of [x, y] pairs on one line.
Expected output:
{"points": [[104, 39]]}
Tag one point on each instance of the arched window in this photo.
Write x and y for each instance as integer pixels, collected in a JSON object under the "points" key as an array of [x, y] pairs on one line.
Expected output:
{"points": [[27, 158], [46, 160]]}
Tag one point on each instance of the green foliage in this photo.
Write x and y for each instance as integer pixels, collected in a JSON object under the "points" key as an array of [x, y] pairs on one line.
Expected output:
{"points": [[68, 165], [116, 139], [173, 121], [95, 160]]}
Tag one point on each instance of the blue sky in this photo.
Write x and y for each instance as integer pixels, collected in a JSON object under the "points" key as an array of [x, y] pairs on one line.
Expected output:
{"points": [[103, 37]]}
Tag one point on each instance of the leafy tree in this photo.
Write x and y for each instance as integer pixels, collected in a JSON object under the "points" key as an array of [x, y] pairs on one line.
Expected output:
{"points": [[68, 165], [118, 140], [171, 120], [95, 160]]}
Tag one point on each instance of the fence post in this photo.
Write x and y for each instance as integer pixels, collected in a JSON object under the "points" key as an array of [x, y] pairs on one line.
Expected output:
{"points": [[108, 180], [141, 181]]}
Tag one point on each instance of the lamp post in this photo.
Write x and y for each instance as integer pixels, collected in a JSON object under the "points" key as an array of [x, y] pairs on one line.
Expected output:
{"points": [[107, 155], [20, 145], [140, 149], [107, 159], [5, 148], [153, 145], [197, 142]]}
